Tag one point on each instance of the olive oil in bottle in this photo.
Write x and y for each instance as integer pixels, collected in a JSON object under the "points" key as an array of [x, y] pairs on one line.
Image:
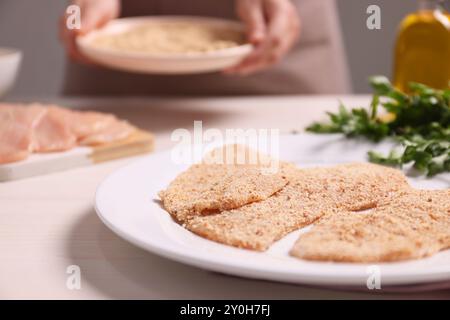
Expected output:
{"points": [[422, 52]]}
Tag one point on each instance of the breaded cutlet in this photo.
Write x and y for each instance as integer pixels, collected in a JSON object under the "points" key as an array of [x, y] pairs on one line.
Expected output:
{"points": [[358, 186], [411, 226], [309, 195], [224, 182]]}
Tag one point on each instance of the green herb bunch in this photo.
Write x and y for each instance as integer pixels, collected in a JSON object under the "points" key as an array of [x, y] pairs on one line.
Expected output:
{"points": [[420, 121]]}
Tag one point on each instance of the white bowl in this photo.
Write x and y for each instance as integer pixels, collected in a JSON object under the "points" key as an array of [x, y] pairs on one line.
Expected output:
{"points": [[163, 63], [10, 60]]}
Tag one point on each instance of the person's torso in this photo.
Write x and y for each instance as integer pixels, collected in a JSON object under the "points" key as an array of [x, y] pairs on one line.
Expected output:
{"points": [[315, 65]]}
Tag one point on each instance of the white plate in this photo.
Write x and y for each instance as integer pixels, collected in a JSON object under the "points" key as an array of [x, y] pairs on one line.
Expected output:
{"points": [[10, 60], [158, 63], [125, 202]]}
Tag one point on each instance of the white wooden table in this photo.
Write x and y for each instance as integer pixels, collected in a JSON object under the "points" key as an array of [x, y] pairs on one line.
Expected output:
{"points": [[48, 223]]}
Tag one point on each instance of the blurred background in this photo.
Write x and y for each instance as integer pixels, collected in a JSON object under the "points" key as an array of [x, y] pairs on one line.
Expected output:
{"points": [[32, 27]]}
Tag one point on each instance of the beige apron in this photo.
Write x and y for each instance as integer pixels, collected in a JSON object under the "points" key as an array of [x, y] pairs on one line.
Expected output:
{"points": [[316, 65]]}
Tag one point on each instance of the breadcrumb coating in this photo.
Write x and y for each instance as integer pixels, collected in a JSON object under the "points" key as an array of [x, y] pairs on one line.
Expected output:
{"points": [[362, 212], [411, 226], [310, 194], [220, 184]]}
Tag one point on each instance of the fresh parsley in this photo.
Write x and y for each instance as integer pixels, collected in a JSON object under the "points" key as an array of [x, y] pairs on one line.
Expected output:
{"points": [[420, 121]]}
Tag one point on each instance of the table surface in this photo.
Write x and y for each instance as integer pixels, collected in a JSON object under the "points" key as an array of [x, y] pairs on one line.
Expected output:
{"points": [[48, 223]]}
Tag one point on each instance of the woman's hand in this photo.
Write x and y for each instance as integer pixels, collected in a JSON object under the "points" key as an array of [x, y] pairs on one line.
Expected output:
{"points": [[94, 14], [273, 27]]}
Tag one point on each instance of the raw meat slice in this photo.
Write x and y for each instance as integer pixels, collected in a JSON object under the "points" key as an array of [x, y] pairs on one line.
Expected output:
{"points": [[52, 134], [16, 125], [14, 142], [93, 128], [113, 131], [49, 128], [83, 123]]}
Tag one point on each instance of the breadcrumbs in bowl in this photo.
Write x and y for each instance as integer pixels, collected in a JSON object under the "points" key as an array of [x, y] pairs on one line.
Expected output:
{"points": [[167, 37], [167, 44]]}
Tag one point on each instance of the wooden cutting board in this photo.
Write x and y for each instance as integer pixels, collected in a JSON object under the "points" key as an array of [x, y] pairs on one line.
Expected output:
{"points": [[38, 164]]}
